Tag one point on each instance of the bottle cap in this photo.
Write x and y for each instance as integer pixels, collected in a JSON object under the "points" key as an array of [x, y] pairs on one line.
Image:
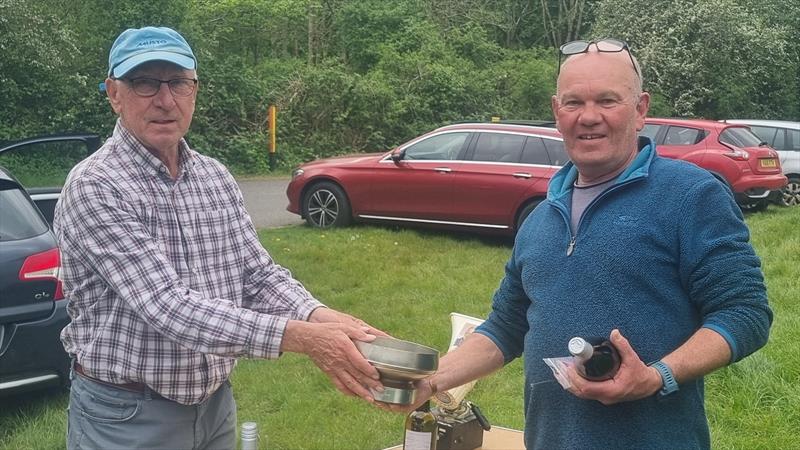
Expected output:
{"points": [[249, 430], [579, 348]]}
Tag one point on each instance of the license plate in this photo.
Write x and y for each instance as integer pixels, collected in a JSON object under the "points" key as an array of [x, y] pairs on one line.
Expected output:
{"points": [[768, 163]]}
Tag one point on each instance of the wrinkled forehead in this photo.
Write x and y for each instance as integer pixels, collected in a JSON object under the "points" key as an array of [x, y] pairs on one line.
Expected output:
{"points": [[160, 69]]}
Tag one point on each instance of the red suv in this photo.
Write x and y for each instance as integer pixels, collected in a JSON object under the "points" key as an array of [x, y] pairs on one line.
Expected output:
{"points": [[732, 153], [471, 176]]}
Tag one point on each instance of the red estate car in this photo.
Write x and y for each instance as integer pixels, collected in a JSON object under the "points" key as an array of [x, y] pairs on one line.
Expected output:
{"points": [[489, 176], [471, 176], [731, 152]]}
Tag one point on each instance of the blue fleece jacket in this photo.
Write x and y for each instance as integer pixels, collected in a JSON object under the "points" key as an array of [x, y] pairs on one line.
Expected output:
{"points": [[659, 254]]}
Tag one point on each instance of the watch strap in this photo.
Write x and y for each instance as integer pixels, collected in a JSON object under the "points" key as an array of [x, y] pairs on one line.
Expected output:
{"points": [[669, 385]]}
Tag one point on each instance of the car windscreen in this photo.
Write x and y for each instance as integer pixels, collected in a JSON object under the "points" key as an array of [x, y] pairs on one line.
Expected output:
{"points": [[740, 137], [19, 218]]}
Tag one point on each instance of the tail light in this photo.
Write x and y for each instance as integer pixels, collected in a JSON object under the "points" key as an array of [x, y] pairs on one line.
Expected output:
{"points": [[43, 266], [738, 155]]}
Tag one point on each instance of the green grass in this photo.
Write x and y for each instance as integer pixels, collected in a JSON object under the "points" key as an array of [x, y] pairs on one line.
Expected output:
{"points": [[407, 282]]}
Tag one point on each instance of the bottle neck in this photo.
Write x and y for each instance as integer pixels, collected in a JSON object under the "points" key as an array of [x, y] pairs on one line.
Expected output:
{"points": [[425, 407]]}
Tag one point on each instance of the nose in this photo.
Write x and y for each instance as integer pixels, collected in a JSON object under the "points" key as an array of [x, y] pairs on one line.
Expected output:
{"points": [[590, 115], [164, 97]]}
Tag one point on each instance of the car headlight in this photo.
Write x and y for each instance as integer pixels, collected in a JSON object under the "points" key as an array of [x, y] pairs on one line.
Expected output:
{"points": [[297, 173]]}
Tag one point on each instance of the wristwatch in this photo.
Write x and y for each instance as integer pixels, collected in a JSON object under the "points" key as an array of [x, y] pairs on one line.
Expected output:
{"points": [[669, 385]]}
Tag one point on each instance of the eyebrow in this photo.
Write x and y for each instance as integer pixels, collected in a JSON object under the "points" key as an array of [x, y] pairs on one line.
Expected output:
{"points": [[602, 94]]}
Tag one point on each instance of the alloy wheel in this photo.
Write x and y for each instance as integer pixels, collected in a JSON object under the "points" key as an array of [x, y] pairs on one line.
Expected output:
{"points": [[791, 193], [323, 208]]}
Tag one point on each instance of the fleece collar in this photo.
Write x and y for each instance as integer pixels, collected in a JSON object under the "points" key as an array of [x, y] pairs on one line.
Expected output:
{"points": [[561, 184]]}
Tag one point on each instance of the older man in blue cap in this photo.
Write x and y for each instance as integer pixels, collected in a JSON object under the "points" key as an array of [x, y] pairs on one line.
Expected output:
{"points": [[166, 279]]}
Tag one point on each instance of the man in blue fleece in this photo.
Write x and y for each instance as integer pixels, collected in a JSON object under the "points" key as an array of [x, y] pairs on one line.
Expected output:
{"points": [[652, 252]]}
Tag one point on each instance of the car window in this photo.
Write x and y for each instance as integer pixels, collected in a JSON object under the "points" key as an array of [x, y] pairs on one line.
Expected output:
{"points": [[780, 140], [767, 134], [650, 130], [444, 146], [683, 136], [499, 147], [21, 219], [740, 137], [792, 140], [43, 164], [535, 152], [555, 149]]}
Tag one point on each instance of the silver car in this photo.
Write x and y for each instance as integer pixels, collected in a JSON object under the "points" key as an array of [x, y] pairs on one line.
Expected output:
{"points": [[784, 137]]}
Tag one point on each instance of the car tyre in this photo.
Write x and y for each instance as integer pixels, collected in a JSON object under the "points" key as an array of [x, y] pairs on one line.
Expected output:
{"points": [[523, 214], [791, 192], [325, 205]]}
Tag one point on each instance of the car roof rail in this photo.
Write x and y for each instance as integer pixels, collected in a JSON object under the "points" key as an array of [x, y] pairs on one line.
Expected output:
{"points": [[533, 123]]}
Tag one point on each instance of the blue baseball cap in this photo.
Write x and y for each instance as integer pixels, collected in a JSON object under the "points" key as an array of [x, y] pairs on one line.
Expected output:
{"points": [[136, 46]]}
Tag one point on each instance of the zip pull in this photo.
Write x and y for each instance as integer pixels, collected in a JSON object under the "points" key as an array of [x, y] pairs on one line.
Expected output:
{"points": [[571, 246]]}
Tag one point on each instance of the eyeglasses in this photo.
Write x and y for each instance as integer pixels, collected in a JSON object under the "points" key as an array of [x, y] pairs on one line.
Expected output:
{"points": [[607, 45], [148, 87]]}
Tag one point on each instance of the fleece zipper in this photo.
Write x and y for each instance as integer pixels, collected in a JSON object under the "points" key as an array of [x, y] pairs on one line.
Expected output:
{"points": [[562, 208]]}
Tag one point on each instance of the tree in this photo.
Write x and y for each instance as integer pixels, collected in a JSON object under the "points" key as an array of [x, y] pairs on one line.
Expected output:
{"points": [[710, 58], [563, 20], [36, 52]]}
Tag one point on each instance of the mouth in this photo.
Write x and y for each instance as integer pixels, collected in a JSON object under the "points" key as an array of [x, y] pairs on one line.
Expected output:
{"points": [[590, 137], [162, 121]]}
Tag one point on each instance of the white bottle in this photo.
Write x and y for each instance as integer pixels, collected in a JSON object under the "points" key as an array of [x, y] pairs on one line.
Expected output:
{"points": [[249, 436]]}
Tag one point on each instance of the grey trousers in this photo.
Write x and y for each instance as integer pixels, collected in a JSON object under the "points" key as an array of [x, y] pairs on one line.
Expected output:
{"points": [[105, 417]]}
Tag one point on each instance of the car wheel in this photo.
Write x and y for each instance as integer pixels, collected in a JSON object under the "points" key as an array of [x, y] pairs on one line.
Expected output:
{"points": [[526, 210], [791, 192], [325, 205]]}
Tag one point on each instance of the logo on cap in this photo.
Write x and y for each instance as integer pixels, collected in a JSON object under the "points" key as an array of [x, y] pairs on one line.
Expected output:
{"points": [[151, 43]]}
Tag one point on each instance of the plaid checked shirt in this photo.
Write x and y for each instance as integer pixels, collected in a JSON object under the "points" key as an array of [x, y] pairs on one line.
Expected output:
{"points": [[166, 279]]}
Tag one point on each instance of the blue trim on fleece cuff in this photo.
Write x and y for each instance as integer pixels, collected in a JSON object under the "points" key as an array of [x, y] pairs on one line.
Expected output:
{"points": [[728, 338]]}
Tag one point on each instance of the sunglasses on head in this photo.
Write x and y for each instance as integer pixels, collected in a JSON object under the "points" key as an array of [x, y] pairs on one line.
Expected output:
{"points": [[607, 45]]}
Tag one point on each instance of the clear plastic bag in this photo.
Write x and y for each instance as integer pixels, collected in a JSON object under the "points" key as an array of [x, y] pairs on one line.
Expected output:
{"points": [[559, 367]]}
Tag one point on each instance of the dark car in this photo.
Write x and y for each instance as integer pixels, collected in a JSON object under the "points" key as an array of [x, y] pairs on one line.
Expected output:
{"points": [[470, 176], [732, 153], [42, 163], [32, 307]]}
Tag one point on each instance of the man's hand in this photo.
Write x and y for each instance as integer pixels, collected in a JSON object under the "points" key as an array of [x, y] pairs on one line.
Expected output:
{"points": [[633, 380], [327, 315], [330, 345]]}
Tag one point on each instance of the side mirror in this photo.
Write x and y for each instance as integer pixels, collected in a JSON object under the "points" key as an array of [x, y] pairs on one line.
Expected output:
{"points": [[397, 156]]}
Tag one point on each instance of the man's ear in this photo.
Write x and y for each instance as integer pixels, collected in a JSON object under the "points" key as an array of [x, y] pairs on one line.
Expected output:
{"points": [[641, 109], [114, 95], [644, 103]]}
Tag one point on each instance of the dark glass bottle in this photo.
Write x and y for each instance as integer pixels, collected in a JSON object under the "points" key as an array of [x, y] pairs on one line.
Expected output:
{"points": [[422, 430], [597, 358]]}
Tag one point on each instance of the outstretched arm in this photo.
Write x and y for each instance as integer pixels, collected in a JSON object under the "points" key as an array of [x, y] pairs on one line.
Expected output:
{"points": [[476, 358]]}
